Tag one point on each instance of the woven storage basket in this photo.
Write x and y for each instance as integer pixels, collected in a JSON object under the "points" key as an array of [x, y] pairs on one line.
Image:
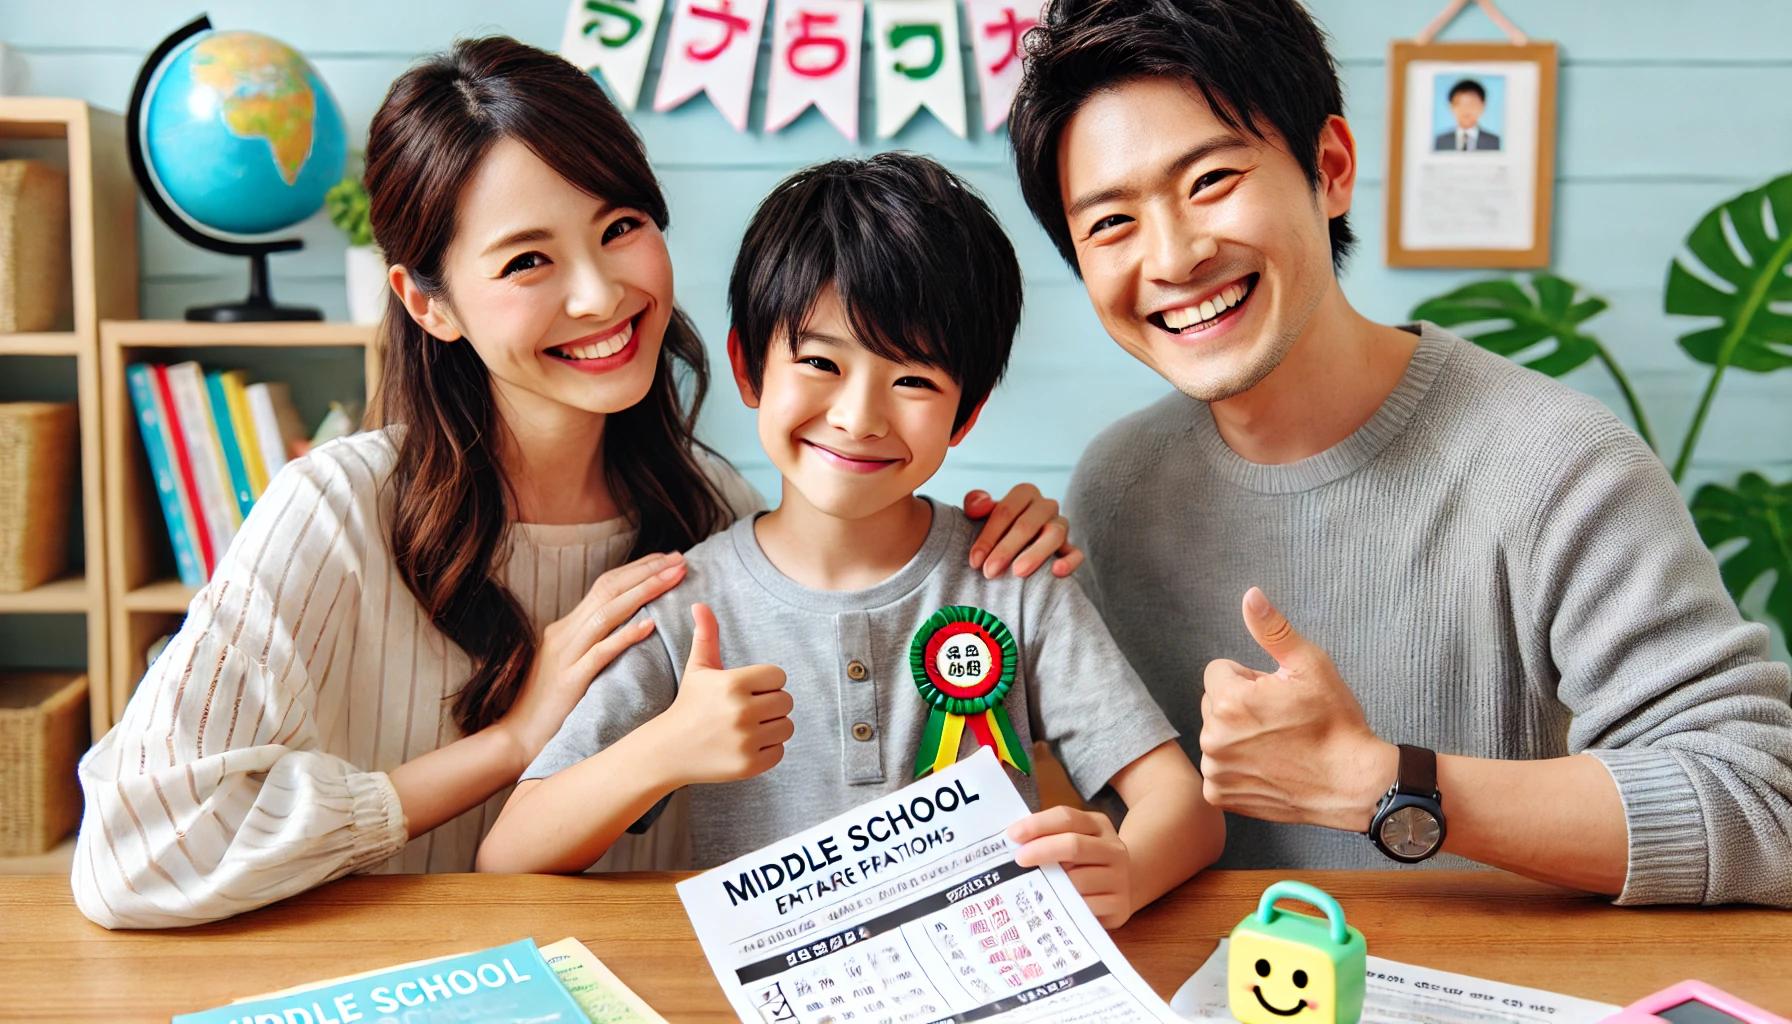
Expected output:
{"points": [[38, 458], [43, 731], [36, 283]]}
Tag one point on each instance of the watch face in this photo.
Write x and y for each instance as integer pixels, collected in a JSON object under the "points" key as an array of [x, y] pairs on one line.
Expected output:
{"points": [[1410, 832]]}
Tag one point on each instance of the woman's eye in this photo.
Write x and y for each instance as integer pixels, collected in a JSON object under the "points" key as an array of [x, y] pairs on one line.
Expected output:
{"points": [[917, 382], [619, 227], [1212, 178], [820, 363], [1111, 221], [527, 261]]}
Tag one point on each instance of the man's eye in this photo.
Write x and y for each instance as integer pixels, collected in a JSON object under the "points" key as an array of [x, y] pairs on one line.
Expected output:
{"points": [[1110, 221], [917, 382], [820, 363], [526, 261], [1212, 178], [619, 227]]}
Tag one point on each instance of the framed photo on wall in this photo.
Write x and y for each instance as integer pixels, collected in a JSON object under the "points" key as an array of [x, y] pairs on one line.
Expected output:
{"points": [[1471, 154]]}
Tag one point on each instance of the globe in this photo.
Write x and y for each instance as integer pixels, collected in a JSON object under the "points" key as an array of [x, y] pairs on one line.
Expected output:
{"points": [[243, 135]]}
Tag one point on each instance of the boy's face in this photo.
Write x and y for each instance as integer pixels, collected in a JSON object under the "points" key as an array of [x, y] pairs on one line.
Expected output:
{"points": [[1206, 251], [851, 431], [1468, 109]]}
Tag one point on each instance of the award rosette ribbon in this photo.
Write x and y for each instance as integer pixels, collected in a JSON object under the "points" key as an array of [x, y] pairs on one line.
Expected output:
{"points": [[963, 662]]}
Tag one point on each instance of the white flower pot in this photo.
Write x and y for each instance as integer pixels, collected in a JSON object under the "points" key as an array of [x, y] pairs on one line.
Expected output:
{"points": [[366, 284]]}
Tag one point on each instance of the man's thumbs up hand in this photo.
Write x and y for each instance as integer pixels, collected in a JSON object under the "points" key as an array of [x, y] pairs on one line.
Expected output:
{"points": [[731, 724], [1290, 745]]}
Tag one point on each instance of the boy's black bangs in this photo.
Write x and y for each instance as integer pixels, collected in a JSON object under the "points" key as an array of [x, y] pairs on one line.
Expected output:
{"points": [[920, 265]]}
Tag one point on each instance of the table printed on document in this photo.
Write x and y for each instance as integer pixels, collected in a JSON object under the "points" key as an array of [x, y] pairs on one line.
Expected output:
{"points": [[957, 932]]}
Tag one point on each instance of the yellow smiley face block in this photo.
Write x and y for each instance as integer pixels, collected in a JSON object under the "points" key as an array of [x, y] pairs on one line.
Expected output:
{"points": [[1294, 968]]}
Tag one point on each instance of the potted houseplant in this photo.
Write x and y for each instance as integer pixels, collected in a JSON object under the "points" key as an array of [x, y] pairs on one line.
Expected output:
{"points": [[366, 266]]}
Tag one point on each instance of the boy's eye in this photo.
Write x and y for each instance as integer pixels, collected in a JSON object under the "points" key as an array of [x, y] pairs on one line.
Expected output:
{"points": [[1110, 221], [821, 363], [1210, 179], [526, 261], [917, 382], [619, 227]]}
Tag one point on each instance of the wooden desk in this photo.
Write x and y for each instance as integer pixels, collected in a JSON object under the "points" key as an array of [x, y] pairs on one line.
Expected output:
{"points": [[58, 966]]}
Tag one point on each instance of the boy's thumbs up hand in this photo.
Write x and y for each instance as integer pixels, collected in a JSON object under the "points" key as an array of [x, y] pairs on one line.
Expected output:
{"points": [[1290, 745], [730, 724]]}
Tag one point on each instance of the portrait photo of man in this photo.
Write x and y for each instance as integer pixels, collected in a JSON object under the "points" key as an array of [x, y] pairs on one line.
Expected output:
{"points": [[1467, 106]]}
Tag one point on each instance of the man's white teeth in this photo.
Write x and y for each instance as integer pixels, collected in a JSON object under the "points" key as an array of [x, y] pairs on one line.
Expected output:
{"points": [[601, 349], [1229, 296]]}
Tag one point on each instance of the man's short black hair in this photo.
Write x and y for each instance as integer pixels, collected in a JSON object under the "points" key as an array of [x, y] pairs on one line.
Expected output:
{"points": [[1261, 65], [1468, 85], [919, 262]]}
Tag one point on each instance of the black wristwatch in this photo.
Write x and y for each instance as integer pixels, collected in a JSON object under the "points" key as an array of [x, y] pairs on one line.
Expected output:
{"points": [[1409, 821]]}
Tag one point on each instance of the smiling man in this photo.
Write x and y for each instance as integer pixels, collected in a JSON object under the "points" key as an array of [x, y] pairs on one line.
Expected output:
{"points": [[1489, 569]]}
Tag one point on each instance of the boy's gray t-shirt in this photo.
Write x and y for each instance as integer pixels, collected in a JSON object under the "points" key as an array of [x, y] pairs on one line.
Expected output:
{"points": [[1072, 687]]}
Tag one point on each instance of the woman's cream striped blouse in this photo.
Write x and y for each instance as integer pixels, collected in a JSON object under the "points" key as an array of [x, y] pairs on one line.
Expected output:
{"points": [[251, 763]]}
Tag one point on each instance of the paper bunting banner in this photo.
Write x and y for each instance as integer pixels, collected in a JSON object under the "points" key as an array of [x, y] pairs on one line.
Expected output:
{"points": [[915, 44], [614, 37], [997, 30], [963, 661], [712, 48], [815, 59]]}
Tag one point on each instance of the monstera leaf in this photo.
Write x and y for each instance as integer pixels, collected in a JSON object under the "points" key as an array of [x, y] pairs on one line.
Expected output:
{"points": [[1746, 243], [1759, 513], [1516, 320]]}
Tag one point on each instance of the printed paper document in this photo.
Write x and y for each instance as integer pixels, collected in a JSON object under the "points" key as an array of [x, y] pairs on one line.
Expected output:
{"points": [[911, 909]]}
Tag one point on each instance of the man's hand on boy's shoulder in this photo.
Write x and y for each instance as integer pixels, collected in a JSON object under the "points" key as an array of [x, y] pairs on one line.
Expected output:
{"points": [[1085, 844], [1021, 532]]}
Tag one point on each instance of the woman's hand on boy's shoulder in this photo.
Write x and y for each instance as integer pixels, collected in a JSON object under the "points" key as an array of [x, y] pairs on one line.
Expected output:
{"points": [[1021, 532], [1085, 844]]}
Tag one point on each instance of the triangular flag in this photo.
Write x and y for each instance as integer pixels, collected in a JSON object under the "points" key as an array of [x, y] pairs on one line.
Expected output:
{"points": [[614, 37], [915, 44], [815, 59], [998, 28], [712, 48]]}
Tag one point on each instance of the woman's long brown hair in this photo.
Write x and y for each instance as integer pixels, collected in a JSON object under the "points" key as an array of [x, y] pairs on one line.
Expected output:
{"points": [[452, 504]]}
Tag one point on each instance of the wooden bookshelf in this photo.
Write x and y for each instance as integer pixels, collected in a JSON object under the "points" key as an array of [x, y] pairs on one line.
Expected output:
{"points": [[89, 144], [145, 597]]}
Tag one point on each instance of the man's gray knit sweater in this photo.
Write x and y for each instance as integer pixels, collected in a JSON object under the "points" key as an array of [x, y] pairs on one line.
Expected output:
{"points": [[1499, 568]]}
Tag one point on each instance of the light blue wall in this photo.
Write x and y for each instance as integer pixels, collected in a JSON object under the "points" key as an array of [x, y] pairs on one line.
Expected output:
{"points": [[1666, 109]]}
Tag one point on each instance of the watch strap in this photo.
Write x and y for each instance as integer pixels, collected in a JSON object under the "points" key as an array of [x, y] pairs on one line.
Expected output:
{"points": [[1418, 772]]}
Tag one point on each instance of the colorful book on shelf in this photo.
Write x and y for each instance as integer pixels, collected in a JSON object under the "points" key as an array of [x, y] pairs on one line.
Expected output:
{"points": [[170, 488], [505, 983], [183, 461], [187, 382], [236, 384], [234, 461], [277, 423]]}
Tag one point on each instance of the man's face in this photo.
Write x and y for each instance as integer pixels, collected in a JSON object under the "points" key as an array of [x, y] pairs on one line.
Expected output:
{"points": [[1467, 107], [1205, 250]]}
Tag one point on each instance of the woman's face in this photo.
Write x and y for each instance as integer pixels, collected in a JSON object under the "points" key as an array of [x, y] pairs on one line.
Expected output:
{"points": [[564, 296]]}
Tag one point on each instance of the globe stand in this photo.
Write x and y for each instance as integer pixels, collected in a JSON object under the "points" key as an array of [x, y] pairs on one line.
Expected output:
{"points": [[259, 306]]}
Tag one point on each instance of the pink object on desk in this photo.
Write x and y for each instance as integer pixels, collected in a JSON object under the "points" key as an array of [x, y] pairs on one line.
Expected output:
{"points": [[1693, 1002]]}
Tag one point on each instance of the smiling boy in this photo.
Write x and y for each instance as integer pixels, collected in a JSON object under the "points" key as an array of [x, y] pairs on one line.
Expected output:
{"points": [[874, 303]]}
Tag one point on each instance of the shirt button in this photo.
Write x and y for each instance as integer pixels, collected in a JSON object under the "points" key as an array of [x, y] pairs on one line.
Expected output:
{"points": [[862, 731], [856, 671]]}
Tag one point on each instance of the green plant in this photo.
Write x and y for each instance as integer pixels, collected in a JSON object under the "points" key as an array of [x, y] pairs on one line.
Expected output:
{"points": [[1752, 336], [347, 205], [1737, 264], [1759, 514], [1546, 312]]}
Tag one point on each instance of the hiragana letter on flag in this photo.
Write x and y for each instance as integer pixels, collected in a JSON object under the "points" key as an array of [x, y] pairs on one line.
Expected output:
{"points": [[731, 23], [916, 49], [712, 48], [815, 60], [613, 37], [998, 35], [806, 42]]}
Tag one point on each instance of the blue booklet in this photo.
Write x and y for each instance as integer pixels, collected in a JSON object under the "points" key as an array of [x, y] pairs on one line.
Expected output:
{"points": [[502, 985]]}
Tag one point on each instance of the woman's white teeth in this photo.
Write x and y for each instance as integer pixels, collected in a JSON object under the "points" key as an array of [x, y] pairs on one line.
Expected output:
{"points": [[1229, 296], [601, 349]]}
